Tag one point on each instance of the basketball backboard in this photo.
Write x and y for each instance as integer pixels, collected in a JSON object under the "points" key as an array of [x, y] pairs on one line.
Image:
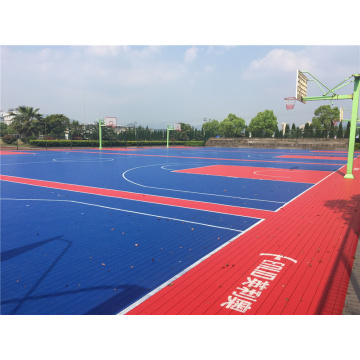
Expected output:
{"points": [[341, 114], [301, 86], [110, 121]]}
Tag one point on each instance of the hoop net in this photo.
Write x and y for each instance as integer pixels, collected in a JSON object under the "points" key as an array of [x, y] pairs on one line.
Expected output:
{"points": [[290, 103]]}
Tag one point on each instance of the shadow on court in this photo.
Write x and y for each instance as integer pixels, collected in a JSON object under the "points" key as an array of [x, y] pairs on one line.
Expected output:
{"points": [[350, 211]]}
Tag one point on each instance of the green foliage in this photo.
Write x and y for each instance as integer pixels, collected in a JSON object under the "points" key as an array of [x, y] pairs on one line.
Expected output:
{"points": [[263, 123], [194, 143], [184, 134], [307, 131], [340, 132], [8, 139], [347, 131], [332, 131], [287, 131], [211, 128], [3, 129], [232, 126], [278, 133], [26, 123], [55, 125], [325, 116]]}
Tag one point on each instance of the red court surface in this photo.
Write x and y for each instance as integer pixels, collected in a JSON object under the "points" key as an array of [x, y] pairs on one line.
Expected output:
{"points": [[249, 172], [191, 204], [312, 157], [14, 153], [296, 262]]}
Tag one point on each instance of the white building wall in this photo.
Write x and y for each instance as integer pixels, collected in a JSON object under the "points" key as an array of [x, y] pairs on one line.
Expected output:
{"points": [[7, 117]]}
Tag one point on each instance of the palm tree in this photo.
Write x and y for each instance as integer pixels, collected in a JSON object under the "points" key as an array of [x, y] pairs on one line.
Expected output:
{"points": [[26, 122], [76, 129]]}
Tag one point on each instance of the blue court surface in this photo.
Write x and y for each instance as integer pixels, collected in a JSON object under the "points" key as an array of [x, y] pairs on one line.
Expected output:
{"points": [[77, 252]]}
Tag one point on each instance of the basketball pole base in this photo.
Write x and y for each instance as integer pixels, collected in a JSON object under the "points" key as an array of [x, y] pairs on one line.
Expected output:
{"points": [[349, 176]]}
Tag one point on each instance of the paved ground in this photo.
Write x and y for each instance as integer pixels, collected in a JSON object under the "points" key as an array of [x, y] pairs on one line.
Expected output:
{"points": [[352, 301], [298, 259]]}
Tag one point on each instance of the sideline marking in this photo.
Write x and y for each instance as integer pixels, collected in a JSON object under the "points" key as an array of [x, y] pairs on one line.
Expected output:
{"points": [[128, 211], [312, 157], [83, 160], [147, 296], [205, 158], [161, 200]]}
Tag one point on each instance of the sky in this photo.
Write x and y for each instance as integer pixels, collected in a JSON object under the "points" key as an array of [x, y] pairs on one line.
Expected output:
{"points": [[155, 70], [159, 85]]}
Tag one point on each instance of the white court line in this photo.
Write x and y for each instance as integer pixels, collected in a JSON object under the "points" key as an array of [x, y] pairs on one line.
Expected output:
{"points": [[127, 211], [83, 160], [147, 296], [190, 192], [262, 171], [137, 193], [309, 188]]}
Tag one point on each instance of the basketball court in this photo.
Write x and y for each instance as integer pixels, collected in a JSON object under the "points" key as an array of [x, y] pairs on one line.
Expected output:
{"points": [[177, 231]]}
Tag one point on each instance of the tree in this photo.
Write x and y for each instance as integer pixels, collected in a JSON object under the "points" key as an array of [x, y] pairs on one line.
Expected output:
{"points": [[232, 126], [211, 128], [299, 132], [278, 133], [287, 131], [3, 129], [311, 130], [332, 131], [324, 117], [306, 131], [265, 122], [56, 125], [26, 123], [185, 133], [340, 131], [76, 129], [347, 131], [107, 132]]}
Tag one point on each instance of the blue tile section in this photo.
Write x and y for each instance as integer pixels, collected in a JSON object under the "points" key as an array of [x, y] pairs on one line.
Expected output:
{"points": [[64, 252]]}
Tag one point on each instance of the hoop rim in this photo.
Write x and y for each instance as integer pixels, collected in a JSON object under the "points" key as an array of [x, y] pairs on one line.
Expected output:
{"points": [[290, 98]]}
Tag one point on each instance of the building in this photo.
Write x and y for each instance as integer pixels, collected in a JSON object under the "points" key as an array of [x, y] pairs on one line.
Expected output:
{"points": [[7, 118]]}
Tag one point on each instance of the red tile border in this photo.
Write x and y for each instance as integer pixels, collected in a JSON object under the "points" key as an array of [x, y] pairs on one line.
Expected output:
{"points": [[251, 172], [319, 229]]}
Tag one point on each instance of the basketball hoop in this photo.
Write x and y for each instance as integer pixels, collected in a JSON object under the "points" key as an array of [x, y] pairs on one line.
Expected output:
{"points": [[290, 103]]}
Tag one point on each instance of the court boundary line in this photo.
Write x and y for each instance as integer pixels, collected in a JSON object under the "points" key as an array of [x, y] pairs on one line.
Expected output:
{"points": [[311, 187], [127, 211], [166, 283], [204, 158], [264, 213]]}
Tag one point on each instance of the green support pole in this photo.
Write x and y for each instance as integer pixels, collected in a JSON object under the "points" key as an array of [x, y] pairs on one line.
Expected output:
{"points": [[354, 114], [168, 128], [101, 122]]}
